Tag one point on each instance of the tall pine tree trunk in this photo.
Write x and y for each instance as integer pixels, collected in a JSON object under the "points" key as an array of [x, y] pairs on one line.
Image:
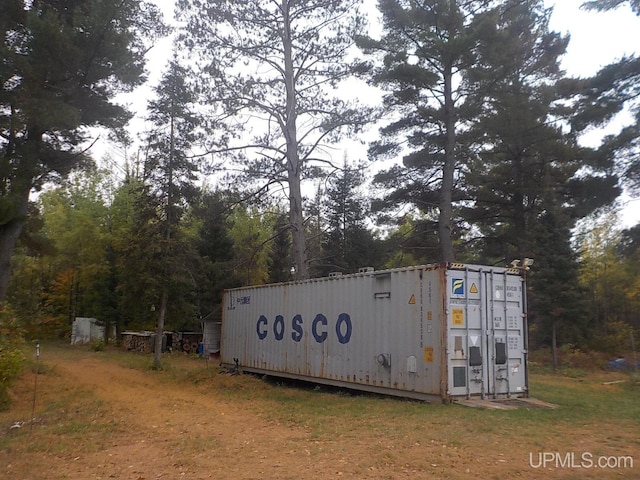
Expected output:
{"points": [[157, 354], [9, 233], [298, 234], [446, 189], [296, 215]]}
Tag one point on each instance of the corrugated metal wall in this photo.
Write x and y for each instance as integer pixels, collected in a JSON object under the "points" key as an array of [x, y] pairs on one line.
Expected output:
{"points": [[384, 331], [211, 332]]}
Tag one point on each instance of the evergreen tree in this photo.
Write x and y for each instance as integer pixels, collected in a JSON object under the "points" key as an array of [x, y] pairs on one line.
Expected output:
{"points": [[612, 4], [526, 160], [558, 313], [348, 244], [428, 49], [215, 262], [136, 239], [279, 63], [252, 235], [413, 242], [63, 61], [280, 255], [170, 175], [316, 229], [531, 180], [143, 258], [614, 89]]}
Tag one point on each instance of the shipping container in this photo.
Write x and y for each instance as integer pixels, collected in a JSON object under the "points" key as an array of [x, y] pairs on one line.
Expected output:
{"points": [[429, 332]]}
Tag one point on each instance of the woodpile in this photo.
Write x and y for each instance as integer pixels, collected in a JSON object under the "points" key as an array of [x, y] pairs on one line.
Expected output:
{"points": [[189, 341], [141, 342], [144, 342]]}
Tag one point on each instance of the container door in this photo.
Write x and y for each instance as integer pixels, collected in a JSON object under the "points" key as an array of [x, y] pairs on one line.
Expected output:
{"points": [[467, 351], [505, 334], [485, 333]]}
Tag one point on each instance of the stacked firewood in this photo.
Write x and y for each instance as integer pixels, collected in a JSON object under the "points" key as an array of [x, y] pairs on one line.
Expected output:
{"points": [[137, 341]]}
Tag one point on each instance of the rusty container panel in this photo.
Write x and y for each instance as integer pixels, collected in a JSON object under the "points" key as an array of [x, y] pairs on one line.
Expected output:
{"points": [[381, 331]]}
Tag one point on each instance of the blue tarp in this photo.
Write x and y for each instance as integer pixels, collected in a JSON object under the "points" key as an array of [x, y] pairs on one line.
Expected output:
{"points": [[621, 363]]}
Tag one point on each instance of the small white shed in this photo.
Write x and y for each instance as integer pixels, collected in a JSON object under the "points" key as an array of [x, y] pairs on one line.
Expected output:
{"points": [[86, 330], [210, 338]]}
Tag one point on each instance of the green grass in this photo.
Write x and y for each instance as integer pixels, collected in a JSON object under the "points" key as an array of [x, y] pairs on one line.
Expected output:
{"points": [[581, 400], [587, 409], [75, 418]]}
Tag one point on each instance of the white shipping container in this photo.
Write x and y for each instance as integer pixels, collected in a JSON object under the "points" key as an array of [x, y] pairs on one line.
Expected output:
{"points": [[433, 331]]}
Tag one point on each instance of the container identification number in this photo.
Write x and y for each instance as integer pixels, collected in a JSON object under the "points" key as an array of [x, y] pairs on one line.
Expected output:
{"points": [[343, 328]]}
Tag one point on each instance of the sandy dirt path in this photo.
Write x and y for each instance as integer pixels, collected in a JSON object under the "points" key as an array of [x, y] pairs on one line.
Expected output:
{"points": [[164, 430], [177, 432], [140, 425]]}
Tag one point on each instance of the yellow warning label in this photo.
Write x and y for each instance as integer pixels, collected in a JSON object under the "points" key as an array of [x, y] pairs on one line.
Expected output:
{"points": [[473, 288], [412, 300], [429, 315], [457, 317], [428, 354]]}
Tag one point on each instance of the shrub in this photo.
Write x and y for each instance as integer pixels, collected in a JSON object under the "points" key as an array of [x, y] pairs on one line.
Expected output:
{"points": [[12, 358], [570, 358], [614, 339]]}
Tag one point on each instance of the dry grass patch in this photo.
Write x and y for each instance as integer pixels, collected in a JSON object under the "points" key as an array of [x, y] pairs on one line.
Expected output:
{"points": [[193, 420]]}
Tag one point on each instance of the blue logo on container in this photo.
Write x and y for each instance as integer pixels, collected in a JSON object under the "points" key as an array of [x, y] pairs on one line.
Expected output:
{"points": [[320, 329], [457, 286]]}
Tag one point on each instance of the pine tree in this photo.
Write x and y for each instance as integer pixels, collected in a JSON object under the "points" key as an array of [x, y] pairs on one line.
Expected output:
{"points": [[280, 254], [252, 235], [276, 65], [614, 89], [526, 160], [428, 49], [215, 264], [136, 240], [558, 313], [63, 61], [170, 175], [348, 244]]}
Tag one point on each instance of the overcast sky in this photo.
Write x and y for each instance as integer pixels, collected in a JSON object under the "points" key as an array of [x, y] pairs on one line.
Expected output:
{"points": [[597, 39]]}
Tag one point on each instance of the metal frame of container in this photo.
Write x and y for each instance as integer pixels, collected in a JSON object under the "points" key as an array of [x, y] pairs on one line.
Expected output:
{"points": [[442, 331]]}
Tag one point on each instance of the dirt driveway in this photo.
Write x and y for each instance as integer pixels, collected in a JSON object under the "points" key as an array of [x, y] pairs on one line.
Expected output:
{"points": [[167, 431], [124, 423]]}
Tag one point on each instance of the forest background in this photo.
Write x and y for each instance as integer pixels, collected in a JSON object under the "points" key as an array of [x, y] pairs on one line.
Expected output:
{"points": [[478, 148]]}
